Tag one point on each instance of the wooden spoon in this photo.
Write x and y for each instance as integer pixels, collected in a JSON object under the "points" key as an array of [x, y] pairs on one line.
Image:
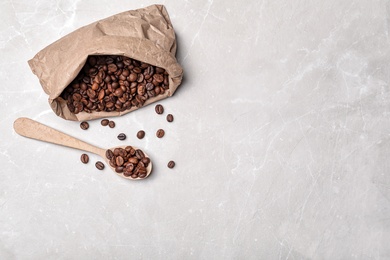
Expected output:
{"points": [[32, 129]]}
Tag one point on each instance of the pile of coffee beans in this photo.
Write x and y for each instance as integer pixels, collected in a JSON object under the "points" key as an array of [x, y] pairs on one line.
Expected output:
{"points": [[114, 83], [128, 161]]}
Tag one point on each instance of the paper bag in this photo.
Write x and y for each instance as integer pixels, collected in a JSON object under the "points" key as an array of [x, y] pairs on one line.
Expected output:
{"points": [[145, 34]]}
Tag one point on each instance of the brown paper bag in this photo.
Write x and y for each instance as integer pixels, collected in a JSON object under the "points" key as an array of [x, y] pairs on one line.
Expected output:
{"points": [[145, 34]]}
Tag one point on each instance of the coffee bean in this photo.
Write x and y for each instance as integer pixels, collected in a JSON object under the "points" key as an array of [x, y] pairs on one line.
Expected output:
{"points": [[145, 160], [159, 109], [160, 133], [171, 164], [141, 134], [101, 94], [99, 165], [84, 125], [139, 154], [84, 158], [133, 160], [111, 124], [109, 154], [169, 117], [149, 86], [127, 173], [142, 175], [122, 136], [112, 67], [119, 161], [104, 122], [119, 169]]}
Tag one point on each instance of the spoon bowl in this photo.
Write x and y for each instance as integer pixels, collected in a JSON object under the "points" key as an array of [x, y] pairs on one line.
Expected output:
{"points": [[32, 129], [148, 168]]}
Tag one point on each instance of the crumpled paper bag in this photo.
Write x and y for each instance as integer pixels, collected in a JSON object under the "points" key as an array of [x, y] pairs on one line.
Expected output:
{"points": [[144, 34]]}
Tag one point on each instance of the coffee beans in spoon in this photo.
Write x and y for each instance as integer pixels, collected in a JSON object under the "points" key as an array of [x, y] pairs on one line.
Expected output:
{"points": [[114, 83], [128, 161]]}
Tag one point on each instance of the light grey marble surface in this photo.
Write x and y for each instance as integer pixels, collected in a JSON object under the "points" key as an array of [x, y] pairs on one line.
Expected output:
{"points": [[281, 138]]}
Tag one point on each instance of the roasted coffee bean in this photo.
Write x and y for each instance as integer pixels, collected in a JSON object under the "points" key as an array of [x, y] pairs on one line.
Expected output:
{"points": [[112, 67], [158, 77], [99, 165], [149, 86], [150, 70], [151, 93], [159, 109], [130, 167], [142, 170], [140, 78], [133, 77], [111, 124], [77, 97], [91, 93], [121, 136], [109, 154], [104, 122], [160, 133], [94, 87], [118, 92], [119, 160], [169, 117], [127, 173], [145, 160], [142, 175], [122, 152], [119, 169], [101, 94], [141, 90], [133, 160], [106, 79], [116, 151], [132, 151], [84, 158], [171, 164], [139, 154], [141, 134], [84, 125]]}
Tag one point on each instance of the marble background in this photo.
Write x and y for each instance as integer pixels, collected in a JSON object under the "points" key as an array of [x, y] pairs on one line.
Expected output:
{"points": [[281, 139]]}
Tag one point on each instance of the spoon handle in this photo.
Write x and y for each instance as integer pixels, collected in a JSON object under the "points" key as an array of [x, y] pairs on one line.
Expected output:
{"points": [[32, 129]]}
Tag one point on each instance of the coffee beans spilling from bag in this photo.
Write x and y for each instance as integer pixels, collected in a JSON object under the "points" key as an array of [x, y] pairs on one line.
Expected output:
{"points": [[114, 83], [128, 161]]}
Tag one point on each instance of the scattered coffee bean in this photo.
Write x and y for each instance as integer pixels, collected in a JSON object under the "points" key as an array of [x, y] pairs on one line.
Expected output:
{"points": [[141, 134], [99, 165], [84, 158], [159, 109], [114, 83], [122, 136], [84, 125], [104, 122], [160, 133], [169, 117], [132, 163], [111, 124], [171, 164]]}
